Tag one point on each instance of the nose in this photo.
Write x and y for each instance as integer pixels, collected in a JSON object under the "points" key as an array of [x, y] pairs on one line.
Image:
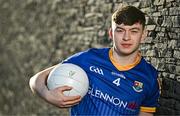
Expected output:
{"points": [[126, 36]]}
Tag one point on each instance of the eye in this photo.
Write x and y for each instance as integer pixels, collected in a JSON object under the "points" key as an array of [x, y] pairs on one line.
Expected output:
{"points": [[119, 30], [134, 31]]}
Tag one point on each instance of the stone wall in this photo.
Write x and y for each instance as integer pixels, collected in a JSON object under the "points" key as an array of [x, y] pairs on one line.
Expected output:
{"points": [[37, 34]]}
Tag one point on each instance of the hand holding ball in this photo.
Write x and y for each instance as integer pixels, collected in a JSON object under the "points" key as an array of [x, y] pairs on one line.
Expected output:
{"points": [[70, 75]]}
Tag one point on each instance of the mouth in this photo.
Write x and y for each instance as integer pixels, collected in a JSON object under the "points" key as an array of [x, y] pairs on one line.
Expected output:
{"points": [[125, 45]]}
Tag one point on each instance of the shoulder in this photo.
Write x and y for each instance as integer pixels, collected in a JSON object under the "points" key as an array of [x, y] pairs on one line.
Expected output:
{"points": [[149, 68], [90, 51], [84, 55], [152, 76]]}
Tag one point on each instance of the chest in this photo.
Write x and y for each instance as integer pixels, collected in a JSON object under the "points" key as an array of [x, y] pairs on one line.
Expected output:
{"points": [[121, 88]]}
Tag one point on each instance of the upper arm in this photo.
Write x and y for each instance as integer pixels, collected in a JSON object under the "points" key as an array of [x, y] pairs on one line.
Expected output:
{"points": [[150, 103]]}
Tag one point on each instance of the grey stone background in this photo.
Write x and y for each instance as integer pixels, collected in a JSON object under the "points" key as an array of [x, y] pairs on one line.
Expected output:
{"points": [[35, 34]]}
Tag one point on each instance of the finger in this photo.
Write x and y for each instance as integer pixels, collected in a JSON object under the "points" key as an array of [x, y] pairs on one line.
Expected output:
{"points": [[66, 106], [71, 103], [64, 88], [71, 98]]}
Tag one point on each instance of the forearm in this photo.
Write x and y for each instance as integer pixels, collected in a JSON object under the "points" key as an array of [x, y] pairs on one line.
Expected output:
{"points": [[55, 96], [37, 83]]}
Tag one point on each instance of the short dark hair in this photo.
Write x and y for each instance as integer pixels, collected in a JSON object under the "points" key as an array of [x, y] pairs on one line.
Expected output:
{"points": [[128, 15]]}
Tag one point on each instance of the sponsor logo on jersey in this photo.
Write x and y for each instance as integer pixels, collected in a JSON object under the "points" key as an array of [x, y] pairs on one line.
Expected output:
{"points": [[96, 70], [118, 75], [108, 98], [132, 106], [138, 86]]}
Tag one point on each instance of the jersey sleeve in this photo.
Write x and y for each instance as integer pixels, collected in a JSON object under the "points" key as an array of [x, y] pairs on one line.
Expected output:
{"points": [[150, 103], [75, 59], [78, 58]]}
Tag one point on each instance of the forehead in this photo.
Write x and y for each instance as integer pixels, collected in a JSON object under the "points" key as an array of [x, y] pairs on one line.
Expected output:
{"points": [[123, 26]]}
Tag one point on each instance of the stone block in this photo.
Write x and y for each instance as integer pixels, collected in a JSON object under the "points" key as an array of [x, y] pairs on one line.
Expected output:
{"points": [[150, 53], [178, 42], [161, 66], [176, 30], [170, 0], [168, 87], [168, 76], [154, 62], [174, 10], [159, 8], [165, 53], [163, 29], [136, 4], [177, 88], [171, 68], [176, 54], [150, 27], [161, 34], [106, 10], [172, 35], [170, 60], [156, 14], [118, 1], [130, 1], [177, 61], [93, 18], [164, 11], [145, 3], [172, 44], [148, 40], [167, 22], [158, 29], [159, 2], [178, 78], [178, 70], [168, 4], [176, 21], [161, 46]]}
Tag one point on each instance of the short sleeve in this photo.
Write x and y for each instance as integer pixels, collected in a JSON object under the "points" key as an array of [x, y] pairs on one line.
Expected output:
{"points": [[150, 103], [77, 59]]}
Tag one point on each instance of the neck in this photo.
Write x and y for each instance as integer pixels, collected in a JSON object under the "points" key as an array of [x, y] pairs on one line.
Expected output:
{"points": [[125, 59]]}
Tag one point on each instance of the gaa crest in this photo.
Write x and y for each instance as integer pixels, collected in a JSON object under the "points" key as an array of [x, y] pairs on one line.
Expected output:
{"points": [[71, 73]]}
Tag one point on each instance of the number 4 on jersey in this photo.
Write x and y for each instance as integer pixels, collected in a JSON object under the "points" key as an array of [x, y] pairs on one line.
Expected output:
{"points": [[117, 81]]}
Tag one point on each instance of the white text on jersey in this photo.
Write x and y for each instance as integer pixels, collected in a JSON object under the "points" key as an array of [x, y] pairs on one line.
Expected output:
{"points": [[104, 96], [96, 70]]}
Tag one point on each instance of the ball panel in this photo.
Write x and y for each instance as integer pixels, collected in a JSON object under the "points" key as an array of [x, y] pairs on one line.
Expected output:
{"points": [[74, 92], [78, 87], [70, 75], [70, 70]]}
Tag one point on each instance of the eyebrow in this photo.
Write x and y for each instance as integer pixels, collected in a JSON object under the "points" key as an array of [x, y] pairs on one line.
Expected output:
{"points": [[134, 28]]}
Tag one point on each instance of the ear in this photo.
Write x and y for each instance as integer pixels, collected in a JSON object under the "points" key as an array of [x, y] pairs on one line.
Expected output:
{"points": [[110, 33], [144, 35]]}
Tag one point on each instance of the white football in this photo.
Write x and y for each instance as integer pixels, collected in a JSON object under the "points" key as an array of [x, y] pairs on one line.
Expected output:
{"points": [[70, 75]]}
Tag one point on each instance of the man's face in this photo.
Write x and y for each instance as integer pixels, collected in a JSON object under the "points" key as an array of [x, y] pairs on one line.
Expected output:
{"points": [[126, 38]]}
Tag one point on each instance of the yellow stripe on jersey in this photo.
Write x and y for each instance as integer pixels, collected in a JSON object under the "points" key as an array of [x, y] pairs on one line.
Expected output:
{"points": [[148, 109], [123, 68]]}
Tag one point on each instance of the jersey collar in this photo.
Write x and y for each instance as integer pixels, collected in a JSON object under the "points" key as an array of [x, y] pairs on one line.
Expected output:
{"points": [[126, 67]]}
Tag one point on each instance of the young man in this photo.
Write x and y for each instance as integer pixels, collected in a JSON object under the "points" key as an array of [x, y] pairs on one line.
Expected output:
{"points": [[121, 81]]}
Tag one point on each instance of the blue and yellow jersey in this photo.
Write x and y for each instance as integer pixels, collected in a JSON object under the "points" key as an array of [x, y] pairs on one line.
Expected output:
{"points": [[116, 89]]}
